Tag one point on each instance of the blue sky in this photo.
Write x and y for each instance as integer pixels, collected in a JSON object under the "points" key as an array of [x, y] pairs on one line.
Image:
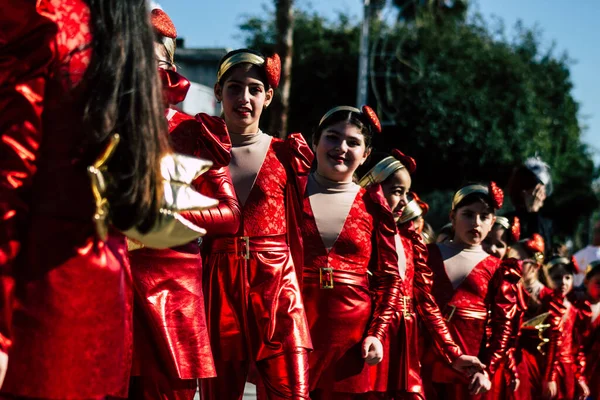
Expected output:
{"points": [[572, 25]]}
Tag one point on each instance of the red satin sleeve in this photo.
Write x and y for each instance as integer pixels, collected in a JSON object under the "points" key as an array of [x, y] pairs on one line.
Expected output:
{"points": [[557, 310], [580, 331], [425, 303], [385, 282], [223, 219], [503, 305], [522, 299], [26, 53]]}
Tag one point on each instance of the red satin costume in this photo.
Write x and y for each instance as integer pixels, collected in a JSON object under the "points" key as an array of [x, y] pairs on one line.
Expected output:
{"points": [[591, 349], [69, 293], [340, 317], [254, 304], [398, 376], [484, 301], [171, 342]]}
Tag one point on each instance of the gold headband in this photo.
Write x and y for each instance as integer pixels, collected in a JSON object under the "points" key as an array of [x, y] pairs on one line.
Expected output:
{"points": [[411, 211], [467, 190], [381, 171], [239, 58], [336, 109], [593, 265], [556, 261], [503, 222]]}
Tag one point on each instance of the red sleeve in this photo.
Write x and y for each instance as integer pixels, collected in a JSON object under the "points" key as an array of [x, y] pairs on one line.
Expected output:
{"points": [[26, 53], [580, 332], [557, 310], [223, 219], [385, 283], [425, 302], [503, 305]]}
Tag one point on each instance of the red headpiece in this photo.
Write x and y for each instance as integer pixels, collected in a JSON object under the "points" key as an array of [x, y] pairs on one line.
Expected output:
{"points": [[515, 229], [273, 70], [496, 194], [162, 23], [536, 243], [575, 264], [424, 206], [372, 117], [409, 163]]}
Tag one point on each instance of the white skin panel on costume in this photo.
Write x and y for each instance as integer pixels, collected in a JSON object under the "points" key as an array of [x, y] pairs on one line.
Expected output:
{"points": [[459, 260], [401, 257], [247, 156], [330, 203]]}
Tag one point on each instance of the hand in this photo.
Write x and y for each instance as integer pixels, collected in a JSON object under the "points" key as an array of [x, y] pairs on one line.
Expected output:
{"points": [[480, 384], [3, 366], [468, 365], [372, 350], [535, 200], [584, 390], [549, 390], [514, 384]]}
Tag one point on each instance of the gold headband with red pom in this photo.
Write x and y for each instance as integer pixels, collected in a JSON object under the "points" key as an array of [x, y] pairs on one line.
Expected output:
{"points": [[493, 192], [515, 227], [272, 65], [414, 209], [386, 167], [366, 111], [536, 245], [565, 261]]}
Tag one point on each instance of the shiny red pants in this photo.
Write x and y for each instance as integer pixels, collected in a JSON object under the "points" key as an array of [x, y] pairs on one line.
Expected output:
{"points": [[282, 377]]}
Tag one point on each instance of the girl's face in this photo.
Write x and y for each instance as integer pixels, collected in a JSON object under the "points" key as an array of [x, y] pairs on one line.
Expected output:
{"points": [[593, 287], [244, 97], [340, 151], [563, 283], [494, 243], [472, 223], [395, 189]]}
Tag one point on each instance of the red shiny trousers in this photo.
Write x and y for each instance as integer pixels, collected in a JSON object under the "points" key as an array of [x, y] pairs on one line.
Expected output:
{"points": [[279, 379]]}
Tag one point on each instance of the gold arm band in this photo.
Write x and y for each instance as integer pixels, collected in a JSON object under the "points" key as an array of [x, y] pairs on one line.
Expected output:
{"points": [[467, 190], [238, 59], [336, 109], [411, 211], [381, 171], [503, 222]]}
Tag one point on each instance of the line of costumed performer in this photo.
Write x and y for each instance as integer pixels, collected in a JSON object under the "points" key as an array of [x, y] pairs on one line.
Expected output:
{"points": [[84, 159], [398, 376], [171, 342], [254, 304]]}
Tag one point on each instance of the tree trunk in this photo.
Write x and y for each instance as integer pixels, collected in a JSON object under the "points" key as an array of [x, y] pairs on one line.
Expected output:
{"points": [[284, 47]]}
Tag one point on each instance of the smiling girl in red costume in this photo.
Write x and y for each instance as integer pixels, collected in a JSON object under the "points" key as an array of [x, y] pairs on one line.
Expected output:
{"points": [[254, 304], [398, 375], [349, 254], [469, 284], [171, 343]]}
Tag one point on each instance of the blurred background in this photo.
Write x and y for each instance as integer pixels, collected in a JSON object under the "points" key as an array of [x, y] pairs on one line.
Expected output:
{"points": [[470, 89]]}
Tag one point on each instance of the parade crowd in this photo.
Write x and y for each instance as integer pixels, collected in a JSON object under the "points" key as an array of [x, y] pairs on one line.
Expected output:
{"points": [[316, 275]]}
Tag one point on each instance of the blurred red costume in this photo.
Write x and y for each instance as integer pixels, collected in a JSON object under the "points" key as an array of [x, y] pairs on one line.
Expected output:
{"points": [[254, 304], [171, 342], [69, 293], [484, 301], [399, 374], [592, 351], [341, 316]]}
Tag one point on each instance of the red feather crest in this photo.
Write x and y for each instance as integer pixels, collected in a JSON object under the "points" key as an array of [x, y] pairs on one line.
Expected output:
{"points": [[162, 23], [536, 243], [575, 264], [273, 70], [496, 194], [407, 161], [373, 119], [515, 229]]}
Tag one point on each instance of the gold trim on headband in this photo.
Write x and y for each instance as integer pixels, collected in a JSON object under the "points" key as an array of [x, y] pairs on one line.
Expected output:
{"points": [[559, 260], [381, 171], [467, 190], [503, 222], [336, 109], [411, 211], [591, 266], [239, 58]]}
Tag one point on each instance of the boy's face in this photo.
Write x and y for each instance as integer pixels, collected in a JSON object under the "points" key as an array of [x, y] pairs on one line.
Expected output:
{"points": [[593, 287]]}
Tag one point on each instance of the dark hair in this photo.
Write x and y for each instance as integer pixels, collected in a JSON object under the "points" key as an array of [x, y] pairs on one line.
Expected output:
{"points": [[354, 118], [521, 179], [262, 74], [560, 269], [123, 95]]}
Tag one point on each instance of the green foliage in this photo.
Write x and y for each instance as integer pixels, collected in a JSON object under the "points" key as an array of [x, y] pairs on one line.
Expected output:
{"points": [[461, 97]]}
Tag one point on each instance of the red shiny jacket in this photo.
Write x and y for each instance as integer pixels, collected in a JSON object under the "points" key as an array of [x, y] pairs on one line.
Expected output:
{"points": [[66, 300], [171, 332]]}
